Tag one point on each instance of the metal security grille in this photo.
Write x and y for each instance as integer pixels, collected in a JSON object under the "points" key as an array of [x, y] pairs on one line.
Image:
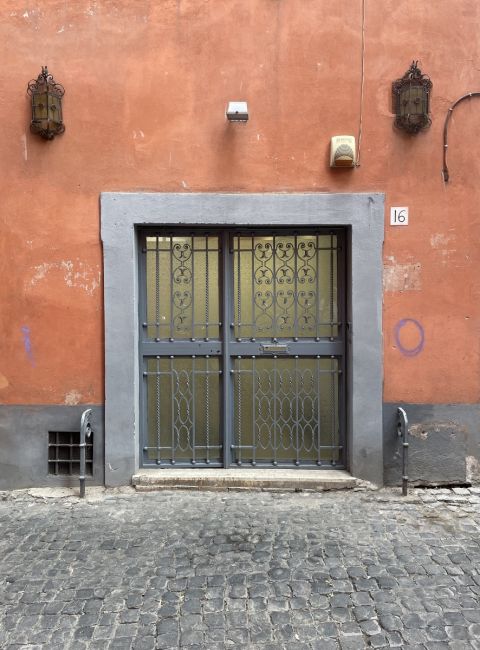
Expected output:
{"points": [[64, 453], [242, 342]]}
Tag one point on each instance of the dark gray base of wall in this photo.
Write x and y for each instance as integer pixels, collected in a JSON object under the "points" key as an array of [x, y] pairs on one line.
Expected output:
{"points": [[24, 444], [444, 444]]}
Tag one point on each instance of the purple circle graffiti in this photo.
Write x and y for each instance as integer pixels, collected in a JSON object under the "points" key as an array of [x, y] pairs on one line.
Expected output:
{"points": [[409, 352]]}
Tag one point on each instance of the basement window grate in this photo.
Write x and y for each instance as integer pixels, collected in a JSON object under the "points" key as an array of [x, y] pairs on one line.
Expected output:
{"points": [[64, 453]]}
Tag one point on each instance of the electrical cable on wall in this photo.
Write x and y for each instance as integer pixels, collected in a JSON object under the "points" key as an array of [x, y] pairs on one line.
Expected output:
{"points": [[445, 171], [357, 164]]}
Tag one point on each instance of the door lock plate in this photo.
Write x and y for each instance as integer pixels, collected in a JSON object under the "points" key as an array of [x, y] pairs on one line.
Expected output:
{"points": [[274, 348]]}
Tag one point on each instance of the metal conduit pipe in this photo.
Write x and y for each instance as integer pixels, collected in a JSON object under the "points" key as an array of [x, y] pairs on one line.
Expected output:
{"points": [[446, 173], [85, 433], [402, 432]]}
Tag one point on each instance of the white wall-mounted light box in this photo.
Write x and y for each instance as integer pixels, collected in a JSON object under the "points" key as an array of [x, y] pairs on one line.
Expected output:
{"points": [[399, 216]]}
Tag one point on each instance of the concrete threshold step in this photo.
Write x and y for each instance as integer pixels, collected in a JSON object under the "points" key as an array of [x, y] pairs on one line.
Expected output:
{"points": [[147, 480]]}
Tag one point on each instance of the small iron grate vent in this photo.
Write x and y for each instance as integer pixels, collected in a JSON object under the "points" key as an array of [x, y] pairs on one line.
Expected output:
{"points": [[64, 453]]}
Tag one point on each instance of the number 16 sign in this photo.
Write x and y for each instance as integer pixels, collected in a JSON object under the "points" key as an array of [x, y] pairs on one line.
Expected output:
{"points": [[399, 216]]}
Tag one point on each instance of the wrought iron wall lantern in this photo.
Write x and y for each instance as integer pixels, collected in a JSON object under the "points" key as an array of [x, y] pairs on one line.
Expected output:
{"points": [[411, 100], [46, 94]]}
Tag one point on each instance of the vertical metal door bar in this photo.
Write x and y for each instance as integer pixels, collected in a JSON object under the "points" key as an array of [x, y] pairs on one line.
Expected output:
{"points": [[207, 287], [157, 289], [274, 290], [192, 238], [331, 285], [207, 406], [319, 413], [238, 379], [317, 289], [143, 334], [274, 410], [227, 318], [254, 424], [157, 410], [239, 289], [295, 287], [254, 322], [333, 407], [194, 432], [342, 302], [297, 424], [172, 414], [171, 290]]}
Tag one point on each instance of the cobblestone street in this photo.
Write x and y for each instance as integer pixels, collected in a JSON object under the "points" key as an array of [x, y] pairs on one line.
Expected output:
{"points": [[351, 569]]}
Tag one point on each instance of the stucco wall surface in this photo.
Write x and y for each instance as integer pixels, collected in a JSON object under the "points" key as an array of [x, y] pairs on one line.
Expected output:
{"points": [[146, 87]]}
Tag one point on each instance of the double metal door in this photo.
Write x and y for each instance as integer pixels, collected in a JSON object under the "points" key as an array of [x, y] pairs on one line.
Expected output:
{"points": [[242, 343]]}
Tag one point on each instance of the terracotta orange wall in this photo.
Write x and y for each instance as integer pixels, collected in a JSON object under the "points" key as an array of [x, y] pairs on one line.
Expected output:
{"points": [[146, 86]]}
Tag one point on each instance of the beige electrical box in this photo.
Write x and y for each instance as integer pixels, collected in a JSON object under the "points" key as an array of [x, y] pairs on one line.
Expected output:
{"points": [[342, 151]]}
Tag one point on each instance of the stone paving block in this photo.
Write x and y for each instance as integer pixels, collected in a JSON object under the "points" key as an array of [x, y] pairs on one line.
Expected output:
{"points": [[242, 570]]}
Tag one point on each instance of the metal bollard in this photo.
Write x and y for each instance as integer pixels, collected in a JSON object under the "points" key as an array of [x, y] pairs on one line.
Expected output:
{"points": [[402, 432], [85, 433]]}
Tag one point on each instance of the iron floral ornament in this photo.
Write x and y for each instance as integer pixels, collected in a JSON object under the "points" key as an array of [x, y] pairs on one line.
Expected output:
{"points": [[46, 95], [411, 100]]}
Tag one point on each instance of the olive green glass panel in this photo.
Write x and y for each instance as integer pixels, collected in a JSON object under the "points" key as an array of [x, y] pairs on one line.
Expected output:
{"points": [[182, 287], [285, 286], [285, 410], [183, 410]]}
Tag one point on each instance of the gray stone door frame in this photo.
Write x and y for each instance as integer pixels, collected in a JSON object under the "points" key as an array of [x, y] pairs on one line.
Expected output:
{"points": [[123, 213]]}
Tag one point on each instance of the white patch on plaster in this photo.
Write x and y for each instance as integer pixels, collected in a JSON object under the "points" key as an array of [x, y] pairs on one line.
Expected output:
{"points": [[76, 274], [25, 15], [73, 397], [62, 29], [138, 134], [402, 277], [473, 469], [439, 239], [184, 185], [91, 11], [23, 140]]}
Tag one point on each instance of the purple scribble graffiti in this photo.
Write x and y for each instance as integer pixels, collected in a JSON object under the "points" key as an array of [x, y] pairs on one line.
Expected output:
{"points": [[27, 344], [409, 352]]}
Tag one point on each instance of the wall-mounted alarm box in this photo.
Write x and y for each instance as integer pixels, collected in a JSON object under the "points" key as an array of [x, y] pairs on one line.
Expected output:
{"points": [[342, 151]]}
